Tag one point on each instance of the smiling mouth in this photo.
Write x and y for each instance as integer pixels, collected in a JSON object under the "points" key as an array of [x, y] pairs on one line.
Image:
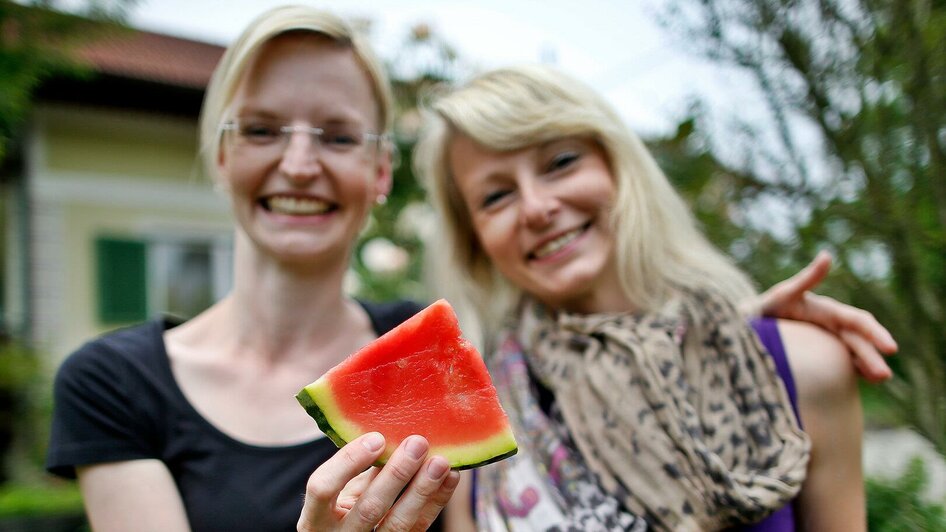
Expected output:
{"points": [[296, 206], [558, 243]]}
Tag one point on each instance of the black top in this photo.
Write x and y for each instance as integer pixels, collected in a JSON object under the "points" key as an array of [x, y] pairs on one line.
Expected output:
{"points": [[116, 399]]}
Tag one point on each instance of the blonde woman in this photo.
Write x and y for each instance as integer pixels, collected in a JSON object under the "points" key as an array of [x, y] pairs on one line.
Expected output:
{"points": [[194, 426], [639, 394]]}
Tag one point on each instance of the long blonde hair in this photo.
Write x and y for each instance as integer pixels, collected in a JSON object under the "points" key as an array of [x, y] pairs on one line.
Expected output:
{"points": [[658, 247], [267, 26]]}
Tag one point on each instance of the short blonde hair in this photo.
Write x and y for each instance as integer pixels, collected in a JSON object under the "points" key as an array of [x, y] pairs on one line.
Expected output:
{"points": [[230, 71], [658, 247]]}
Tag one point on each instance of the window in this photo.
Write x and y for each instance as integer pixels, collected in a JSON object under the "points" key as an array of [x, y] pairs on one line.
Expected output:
{"points": [[121, 275], [160, 275]]}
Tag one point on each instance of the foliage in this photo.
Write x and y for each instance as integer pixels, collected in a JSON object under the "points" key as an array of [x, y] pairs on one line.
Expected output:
{"points": [[19, 376], [24, 500], [35, 44], [392, 223], [898, 504], [865, 79], [424, 61]]}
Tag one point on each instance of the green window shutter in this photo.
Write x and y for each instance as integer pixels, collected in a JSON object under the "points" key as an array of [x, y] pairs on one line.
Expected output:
{"points": [[122, 279]]}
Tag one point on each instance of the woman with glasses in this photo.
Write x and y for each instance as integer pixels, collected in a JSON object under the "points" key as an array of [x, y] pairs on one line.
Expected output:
{"points": [[194, 426], [640, 396]]}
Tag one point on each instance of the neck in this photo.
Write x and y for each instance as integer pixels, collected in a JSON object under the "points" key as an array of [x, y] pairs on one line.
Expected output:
{"points": [[279, 309]]}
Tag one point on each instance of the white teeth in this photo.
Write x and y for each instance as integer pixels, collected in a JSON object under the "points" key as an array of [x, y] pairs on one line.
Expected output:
{"points": [[291, 205], [554, 245]]}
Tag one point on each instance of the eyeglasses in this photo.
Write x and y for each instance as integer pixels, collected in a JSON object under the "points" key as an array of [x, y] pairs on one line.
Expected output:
{"points": [[271, 139]]}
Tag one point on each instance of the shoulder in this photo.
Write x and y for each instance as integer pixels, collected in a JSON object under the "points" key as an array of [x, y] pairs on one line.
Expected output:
{"points": [[389, 314], [832, 496], [820, 363], [102, 388], [108, 353], [124, 341]]}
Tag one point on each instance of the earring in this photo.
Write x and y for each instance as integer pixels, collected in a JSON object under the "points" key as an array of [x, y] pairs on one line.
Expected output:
{"points": [[381, 199]]}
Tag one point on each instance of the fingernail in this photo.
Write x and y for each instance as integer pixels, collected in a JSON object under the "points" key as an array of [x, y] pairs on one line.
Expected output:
{"points": [[416, 447], [373, 441], [437, 468]]}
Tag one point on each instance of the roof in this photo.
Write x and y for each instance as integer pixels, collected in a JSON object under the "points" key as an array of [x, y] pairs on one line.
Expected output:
{"points": [[154, 57]]}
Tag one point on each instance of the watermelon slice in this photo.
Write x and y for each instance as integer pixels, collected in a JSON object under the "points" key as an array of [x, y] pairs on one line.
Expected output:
{"points": [[422, 378]]}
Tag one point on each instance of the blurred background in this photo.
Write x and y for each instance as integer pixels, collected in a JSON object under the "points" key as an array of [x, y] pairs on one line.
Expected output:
{"points": [[790, 125]]}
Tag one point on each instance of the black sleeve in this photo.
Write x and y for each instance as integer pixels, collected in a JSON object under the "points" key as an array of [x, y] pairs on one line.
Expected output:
{"points": [[96, 416], [386, 316]]}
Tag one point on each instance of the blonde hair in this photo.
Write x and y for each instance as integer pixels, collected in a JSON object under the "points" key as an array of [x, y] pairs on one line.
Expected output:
{"points": [[230, 71], [658, 247]]}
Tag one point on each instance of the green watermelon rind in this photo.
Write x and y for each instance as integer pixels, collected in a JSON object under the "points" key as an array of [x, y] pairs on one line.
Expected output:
{"points": [[341, 432], [312, 408]]}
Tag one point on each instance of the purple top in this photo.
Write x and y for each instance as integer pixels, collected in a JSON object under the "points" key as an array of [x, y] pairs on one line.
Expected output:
{"points": [[783, 520]]}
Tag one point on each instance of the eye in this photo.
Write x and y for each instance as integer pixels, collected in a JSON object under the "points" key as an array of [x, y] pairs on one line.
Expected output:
{"points": [[259, 132], [562, 160], [493, 197], [341, 138]]}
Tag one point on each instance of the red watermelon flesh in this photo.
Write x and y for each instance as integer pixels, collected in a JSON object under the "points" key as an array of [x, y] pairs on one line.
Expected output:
{"points": [[422, 377]]}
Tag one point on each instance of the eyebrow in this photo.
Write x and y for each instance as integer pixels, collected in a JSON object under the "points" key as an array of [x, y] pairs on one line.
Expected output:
{"points": [[257, 112], [263, 113], [553, 144], [487, 183]]}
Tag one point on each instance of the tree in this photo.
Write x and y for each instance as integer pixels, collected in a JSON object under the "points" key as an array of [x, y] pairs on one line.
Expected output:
{"points": [[866, 78], [35, 44], [390, 255]]}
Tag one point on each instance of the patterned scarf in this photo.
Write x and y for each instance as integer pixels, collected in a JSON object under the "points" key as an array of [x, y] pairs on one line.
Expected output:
{"points": [[675, 417]]}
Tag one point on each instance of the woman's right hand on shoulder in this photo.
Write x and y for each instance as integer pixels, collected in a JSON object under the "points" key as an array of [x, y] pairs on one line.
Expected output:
{"points": [[346, 493]]}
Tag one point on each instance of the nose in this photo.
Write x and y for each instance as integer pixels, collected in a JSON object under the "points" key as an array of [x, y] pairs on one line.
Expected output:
{"points": [[300, 159], [539, 205]]}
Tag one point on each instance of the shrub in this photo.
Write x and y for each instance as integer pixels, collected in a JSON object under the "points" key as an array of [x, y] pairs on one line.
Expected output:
{"points": [[16, 500], [895, 505]]}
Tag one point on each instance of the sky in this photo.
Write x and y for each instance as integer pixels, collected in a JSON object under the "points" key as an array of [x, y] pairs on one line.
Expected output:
{"points": [[614, 45]]}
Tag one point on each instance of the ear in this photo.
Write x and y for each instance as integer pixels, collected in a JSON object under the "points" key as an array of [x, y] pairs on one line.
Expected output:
{"points": [[221, 158], [384, 173], [220, 182]]}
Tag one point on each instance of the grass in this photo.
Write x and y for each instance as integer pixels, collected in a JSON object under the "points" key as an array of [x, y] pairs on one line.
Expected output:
{"points": [[21, 500]]}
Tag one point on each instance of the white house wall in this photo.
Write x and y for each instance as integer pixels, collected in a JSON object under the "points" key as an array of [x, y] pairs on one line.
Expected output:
{"points": [[99, 172]]}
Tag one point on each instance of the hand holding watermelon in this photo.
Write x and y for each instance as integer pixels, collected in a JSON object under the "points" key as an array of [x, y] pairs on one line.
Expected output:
{"points": [[407, 493], [417, 401]]}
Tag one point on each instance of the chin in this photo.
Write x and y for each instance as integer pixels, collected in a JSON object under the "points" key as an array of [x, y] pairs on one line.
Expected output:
{"points": [[300, 249], [571, 288], [560, 295]]}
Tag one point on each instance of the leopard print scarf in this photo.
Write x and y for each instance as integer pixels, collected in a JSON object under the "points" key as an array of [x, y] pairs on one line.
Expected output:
{"points": [[678, 413]]}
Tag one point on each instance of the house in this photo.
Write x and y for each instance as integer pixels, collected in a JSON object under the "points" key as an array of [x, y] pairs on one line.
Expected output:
{"points": [[108, 216]]}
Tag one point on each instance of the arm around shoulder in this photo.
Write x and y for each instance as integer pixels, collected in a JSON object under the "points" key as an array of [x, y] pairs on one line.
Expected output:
{"points": [[832, 497]]}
